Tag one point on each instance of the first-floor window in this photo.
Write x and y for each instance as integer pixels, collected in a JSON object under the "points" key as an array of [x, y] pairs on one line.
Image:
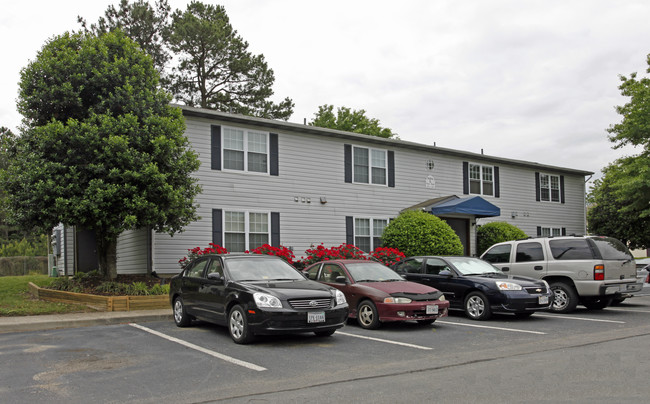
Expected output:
{"points": [[368, 232], [245, 230], [551, 231]]}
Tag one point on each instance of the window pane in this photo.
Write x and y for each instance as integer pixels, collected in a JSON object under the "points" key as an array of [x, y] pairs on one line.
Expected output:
{"points": [[363, 243], [362, 227], [488, 188], [257, 142], [556, 232], [361, 165], [474, 187], [378, 227], [544, 194], [235, 222], [379, 158], [527, 252], [487, 173], [379, 176], [235, 242], [233, 160], [257, 162], [233, 139], [259, 222], [474, 172], [258, 240], [498, 254]]}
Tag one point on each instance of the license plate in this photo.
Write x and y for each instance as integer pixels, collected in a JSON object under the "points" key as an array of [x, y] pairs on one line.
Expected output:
{"points": [[432, 309], [316, 317], [543, 300]]}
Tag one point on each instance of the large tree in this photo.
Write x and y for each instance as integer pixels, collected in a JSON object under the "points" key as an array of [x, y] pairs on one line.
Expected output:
{"points": [[148, 26], [7, 142], [350, 121], [632, 187], [101, 148], [215, 69]]}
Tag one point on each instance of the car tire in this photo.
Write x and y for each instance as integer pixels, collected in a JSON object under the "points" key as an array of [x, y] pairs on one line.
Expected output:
{"points": [[596, 303], [524, 314], [477, 306], [367, 315], [181, 318], [238, 326], [327, 333], [427, 322], [565, 298]]}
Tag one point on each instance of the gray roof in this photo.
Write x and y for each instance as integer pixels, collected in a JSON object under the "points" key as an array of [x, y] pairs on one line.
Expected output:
{"points": [[395, 143]]}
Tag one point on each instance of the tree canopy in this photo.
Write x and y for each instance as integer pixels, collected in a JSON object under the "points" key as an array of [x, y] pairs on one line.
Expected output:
{"points": [[211, 66], [101, 149], [350, 121]]}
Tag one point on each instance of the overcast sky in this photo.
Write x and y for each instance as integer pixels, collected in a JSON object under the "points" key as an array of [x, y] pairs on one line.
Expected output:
{"points": [[528, 80]]}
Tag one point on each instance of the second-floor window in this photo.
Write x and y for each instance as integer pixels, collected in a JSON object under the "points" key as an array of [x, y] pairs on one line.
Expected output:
{"points": [[370, 166], [481, 179], [549, 187], [245, 150]]}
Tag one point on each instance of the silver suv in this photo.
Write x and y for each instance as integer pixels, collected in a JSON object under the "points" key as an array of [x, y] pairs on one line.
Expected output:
{"points": [[590, 270]]}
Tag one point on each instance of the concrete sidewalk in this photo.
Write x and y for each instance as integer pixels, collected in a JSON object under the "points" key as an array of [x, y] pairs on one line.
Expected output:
{"points": [[72, 320]]}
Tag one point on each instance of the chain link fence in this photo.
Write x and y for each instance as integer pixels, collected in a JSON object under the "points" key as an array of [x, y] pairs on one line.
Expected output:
{"points": [[14, 266]]}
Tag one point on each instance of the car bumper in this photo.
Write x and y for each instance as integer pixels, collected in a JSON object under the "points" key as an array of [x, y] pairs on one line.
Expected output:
{"points": [[411, 311], [522, 301], [283, 321]]}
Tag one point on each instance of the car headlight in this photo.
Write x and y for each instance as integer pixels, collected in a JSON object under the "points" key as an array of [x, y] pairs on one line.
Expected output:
{"points": [[266, 300], [508, 286], [397, 300], [340, 298], [442, 298]]}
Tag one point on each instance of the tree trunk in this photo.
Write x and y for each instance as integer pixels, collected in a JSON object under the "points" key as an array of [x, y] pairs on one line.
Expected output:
{"points": [[107, 255]]}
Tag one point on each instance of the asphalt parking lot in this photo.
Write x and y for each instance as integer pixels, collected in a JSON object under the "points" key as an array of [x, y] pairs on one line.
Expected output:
{"points": [[585, 356]]}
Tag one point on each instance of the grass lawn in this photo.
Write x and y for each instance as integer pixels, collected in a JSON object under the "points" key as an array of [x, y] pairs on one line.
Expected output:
{"points": [[15, 299]]}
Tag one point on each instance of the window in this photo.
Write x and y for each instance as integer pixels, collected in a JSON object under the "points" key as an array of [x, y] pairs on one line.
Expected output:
{"points": [[527, 252], [498, 254], [245, 150], [576, 249], [433, 266], [367, 233], [549, 187], [369, 166], [411, 266], [245, 230], [551, 232], [481, 179], [197, 269]]}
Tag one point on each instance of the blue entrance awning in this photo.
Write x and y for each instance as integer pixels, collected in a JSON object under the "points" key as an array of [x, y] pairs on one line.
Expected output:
{"points": [[472, 205]]}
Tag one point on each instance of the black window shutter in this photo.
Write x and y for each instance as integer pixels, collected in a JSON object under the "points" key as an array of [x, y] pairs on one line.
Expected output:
{"points": [[217, 234], [497, 192], [539, 231], [391, 169], [273, 151], [215, 148], [564, 231], [465, 177], [562, 188], [537, 193], [275, 229], [347, 155], [349, 230]]}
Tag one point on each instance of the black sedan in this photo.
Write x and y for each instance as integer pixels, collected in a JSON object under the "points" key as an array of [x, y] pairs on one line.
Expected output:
{"points": [[477, 287], [254, 294]]}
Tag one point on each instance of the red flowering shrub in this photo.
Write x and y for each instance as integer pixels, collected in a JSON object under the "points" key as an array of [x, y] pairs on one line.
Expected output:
{"points": [[387, 256], [321, 253], [282, 252], [197, 252]]}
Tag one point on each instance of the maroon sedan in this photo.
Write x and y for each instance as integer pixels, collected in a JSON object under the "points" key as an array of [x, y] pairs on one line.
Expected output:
{"points": [[376, 293]]}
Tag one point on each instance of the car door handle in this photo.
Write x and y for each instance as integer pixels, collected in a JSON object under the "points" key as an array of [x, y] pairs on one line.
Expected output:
{"points": [[538, 267], [505, 269]]}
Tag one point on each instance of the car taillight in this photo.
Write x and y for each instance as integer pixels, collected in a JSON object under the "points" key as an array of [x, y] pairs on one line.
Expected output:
{"points": [[599, 272]]}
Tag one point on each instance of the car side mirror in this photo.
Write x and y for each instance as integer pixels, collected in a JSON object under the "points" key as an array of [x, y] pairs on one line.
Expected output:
{"points": [[342, 279], [446, 272], [214, 276]]}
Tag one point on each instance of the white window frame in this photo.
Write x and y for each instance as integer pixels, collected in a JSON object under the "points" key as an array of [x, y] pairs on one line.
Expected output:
{"points": [[550, 231], [370, 165], [247, 227], [246, 149], [548, 178], [482, 180], [372, 228]]}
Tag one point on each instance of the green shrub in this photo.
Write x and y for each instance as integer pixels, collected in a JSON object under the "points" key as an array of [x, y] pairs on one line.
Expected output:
{"points": [[159, 290], [115, 288], [420, 233], [497, 232], [137, 289]]}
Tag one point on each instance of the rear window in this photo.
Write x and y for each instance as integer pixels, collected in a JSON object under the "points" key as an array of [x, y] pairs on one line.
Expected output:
{"points": [[571, 249], [611, 248]]}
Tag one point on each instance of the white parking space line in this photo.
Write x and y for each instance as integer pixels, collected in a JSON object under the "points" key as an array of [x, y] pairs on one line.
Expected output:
{"points": [[426, 348], [633, 310], [598, 320], [492, 327], [201, 349]]}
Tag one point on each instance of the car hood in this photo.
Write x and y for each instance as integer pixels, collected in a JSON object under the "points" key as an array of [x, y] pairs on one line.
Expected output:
{"points": [[400, 287], [291, 289], [519, 280]]}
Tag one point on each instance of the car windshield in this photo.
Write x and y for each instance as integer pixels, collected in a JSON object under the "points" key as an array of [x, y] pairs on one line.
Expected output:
{"points": [[372, 272], [472, 266], [261, 269]]}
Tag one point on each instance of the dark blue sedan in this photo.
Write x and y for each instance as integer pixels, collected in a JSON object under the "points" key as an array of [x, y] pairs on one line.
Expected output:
{"points": [[477, 287]]}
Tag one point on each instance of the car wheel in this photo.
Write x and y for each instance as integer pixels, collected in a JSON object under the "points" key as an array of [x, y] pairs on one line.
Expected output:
{"points": [[477, 306], [367, 315], [181, 318], [596, 303], [324, 333], [524, 314], [427, 322], [238, 326], [565, 298]]}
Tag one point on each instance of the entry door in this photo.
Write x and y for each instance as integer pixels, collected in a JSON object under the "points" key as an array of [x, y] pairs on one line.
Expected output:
{"points": [[86, 251], [461, 227]]}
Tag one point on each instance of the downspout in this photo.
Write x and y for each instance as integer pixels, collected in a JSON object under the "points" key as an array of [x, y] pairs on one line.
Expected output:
{"points": [[585, 193]]}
